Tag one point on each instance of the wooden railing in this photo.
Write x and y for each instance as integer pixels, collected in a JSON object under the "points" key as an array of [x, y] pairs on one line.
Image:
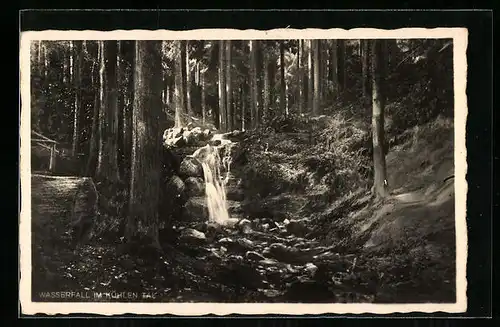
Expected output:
{"points": [[49, 144]]}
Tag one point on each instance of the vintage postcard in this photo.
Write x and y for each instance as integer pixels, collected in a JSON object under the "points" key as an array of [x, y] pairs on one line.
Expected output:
{"points": [[225, 171]]}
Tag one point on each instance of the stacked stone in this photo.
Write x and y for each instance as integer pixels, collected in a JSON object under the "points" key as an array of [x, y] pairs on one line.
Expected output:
{"points": [[184, 194]]}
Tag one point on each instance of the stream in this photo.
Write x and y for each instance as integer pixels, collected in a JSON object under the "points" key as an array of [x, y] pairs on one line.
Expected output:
{"points": [[230, 258]]}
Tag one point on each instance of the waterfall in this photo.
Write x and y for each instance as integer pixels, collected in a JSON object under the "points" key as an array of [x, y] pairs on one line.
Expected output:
{"points": [[216, 175]]}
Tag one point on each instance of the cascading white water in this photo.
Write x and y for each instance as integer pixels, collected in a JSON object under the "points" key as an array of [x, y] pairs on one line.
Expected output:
{"points": [[215, 182]]}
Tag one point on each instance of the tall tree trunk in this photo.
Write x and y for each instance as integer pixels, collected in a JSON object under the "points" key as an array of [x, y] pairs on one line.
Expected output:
{"points": [[325, 57], [310, 84], [300, 77], [341, 64], [179, 91], [77, 110], [317, 66], [45, 61], [378, 104], [39, 61], [222, 89], [128, 53], [71, 58], [108, 142], [120, 107], [184, 76], [203, 100], [272, 94], [94, 132], [320, 61], [365, 62], [146, 147], [188, 80], [229, 90], [392, 49], [65, 70], [243, 105], [253, 84], [334, 66], [265, 102], [102, 112], [282, 79]]}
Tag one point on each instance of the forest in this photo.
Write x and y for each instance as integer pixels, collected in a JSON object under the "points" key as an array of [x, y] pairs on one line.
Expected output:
{"points": [[312, 170]]}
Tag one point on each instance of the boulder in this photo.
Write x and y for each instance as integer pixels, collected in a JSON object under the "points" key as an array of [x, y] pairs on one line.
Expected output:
{"points": [[175, 186], [189, 137], [196, 209], [231, 222], [245, 226], [311, 269], [234, 136], [173, 137], [170, 161], [207, 134], [254, 256], [195, 186], [191, 167], [192, 236]]}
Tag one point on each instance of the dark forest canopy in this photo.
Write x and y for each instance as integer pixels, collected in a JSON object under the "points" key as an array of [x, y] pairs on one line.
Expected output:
{"points": [[413, 68]]}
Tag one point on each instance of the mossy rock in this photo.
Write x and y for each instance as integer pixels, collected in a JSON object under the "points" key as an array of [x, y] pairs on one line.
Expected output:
{"points": [[195, 186], [191, 167]]}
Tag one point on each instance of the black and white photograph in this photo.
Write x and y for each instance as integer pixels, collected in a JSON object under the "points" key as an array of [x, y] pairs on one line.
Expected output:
{"points": [[226, 171]]}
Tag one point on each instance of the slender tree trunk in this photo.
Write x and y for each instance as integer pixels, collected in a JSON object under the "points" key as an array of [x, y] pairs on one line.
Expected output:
{"points": [[325, 58], [203, 100], [317, 66], [310, 85], [257, 94], [65, 69], [39, 62], [188, 80], [179, 93], [282, 79], [320, 62], [365, 61], [71, 58], [184, 76], [120, 107], [77, 83], [146, 147], [341, 64], [378, 104], [222, 89], [102, 112], [94, 133], [287, 99], [265, 102], [112, 88], [229, 91], [253, 84], [300, 77], [45, 61], [334, 67], [243, 106], [128, 53]]}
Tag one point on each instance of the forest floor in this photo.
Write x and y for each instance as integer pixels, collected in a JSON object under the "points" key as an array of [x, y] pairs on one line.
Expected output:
{"points": [[296, 244]]}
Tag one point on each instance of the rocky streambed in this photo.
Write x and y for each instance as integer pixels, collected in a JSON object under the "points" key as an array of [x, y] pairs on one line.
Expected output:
{"points": [[245, 259]]}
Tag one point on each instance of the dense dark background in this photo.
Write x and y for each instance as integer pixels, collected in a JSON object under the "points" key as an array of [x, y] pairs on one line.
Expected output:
{"points": [[479, 89]]}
